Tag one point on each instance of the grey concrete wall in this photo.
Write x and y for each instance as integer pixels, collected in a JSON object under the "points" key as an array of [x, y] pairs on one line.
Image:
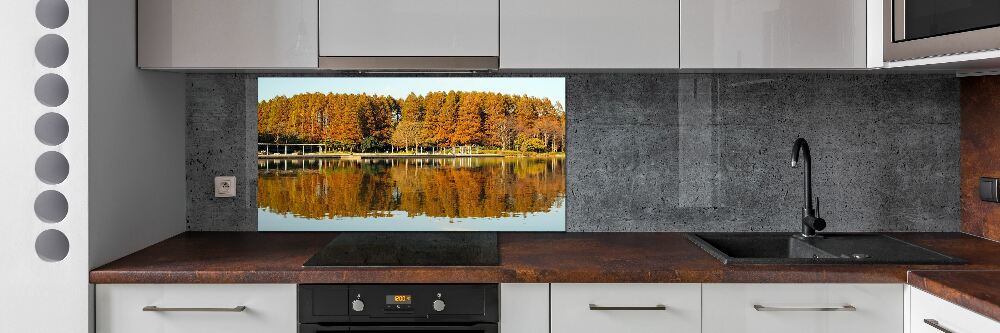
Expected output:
{"points": [[221, 141], [684, 152]]}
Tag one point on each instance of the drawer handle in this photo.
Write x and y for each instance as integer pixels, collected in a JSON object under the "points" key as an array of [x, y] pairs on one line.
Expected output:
{"points": [[596, 307], [159, 309], [935, 324], [759, 307]]}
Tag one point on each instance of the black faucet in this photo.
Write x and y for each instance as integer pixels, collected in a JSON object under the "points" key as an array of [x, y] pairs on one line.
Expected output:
{"points": [[810, 221]]}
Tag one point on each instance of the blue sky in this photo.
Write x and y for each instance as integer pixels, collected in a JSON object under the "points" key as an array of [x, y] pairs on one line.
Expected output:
{"points": [[553, 88]]}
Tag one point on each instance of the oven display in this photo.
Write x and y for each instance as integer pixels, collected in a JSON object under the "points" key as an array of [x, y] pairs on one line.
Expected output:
{"points": [[398, 299]]}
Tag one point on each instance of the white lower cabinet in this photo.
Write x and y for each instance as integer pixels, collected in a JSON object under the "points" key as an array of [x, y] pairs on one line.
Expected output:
{"points": [[524, 308], [570, 308], [803, 308], [189, 308], [930, 314], [634, 308]]}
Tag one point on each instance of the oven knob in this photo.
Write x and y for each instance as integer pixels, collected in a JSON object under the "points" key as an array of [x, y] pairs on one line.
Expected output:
{"points": [[358, 305], [438, 305]]}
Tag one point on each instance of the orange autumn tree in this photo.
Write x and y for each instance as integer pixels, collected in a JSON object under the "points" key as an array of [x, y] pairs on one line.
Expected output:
{"points": [[362, 122]]}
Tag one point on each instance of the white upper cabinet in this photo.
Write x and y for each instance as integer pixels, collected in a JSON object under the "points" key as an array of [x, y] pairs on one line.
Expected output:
{"points": [[589, 34], [780, 34], [227, 34], [408, 28], [509, 34]]}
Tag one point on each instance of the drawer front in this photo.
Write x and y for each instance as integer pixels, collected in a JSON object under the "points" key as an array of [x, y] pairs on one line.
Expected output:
{"points": [[803, 308], [269, 308], [946, 315], [635, 308]]}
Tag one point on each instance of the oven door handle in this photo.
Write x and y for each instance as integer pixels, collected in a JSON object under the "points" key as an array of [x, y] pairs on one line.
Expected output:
{"points": [[315, 328], [484, 328]]}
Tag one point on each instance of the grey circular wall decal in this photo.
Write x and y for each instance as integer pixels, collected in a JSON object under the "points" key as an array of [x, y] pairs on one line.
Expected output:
{"points": [[52, 168], [52, 13], [51, 51], [51, 90], [51, 129], [51, 206], [52, 245]]}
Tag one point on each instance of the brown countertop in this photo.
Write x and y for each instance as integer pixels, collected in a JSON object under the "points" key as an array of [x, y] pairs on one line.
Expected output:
{"points": [[248, 257], [978, 291]]}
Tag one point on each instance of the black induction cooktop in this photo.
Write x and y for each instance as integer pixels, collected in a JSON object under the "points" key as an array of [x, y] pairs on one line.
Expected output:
{"points": [[409, 249]]}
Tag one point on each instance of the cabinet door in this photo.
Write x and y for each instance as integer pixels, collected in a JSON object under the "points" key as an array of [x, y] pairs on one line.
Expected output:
{"points": [[408, 28], [524, 308], [195, 308], [927, 310], [589, 34], [803, 308], [227, 33], [773, 34], [633, 308]]}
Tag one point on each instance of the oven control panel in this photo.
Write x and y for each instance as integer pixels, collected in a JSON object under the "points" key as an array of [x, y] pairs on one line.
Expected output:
{"points": [[416, 299], [399, 302], [326, 303]]}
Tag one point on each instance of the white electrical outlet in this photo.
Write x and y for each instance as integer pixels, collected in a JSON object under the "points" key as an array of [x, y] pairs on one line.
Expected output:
{"points": [[225, 187]]}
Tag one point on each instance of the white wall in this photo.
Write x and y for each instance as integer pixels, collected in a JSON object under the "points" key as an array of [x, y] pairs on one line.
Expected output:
{"points": [[125, 148], [37, 295], [137, 185]]}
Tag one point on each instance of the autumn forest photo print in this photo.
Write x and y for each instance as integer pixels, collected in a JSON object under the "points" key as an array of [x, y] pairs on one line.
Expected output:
{"points": [[416, 154]]}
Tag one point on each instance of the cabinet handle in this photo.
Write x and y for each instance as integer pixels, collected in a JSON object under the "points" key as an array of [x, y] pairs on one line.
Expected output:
{"points": [[596, 307], [935, 324], [759, 307], [159, 309]]}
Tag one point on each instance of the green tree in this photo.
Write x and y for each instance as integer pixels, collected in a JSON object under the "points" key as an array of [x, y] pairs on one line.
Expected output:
{"points": [[371, 144]]}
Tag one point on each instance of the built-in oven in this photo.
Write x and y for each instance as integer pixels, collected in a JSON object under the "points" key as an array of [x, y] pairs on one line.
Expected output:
{"points": [[916, 29], [373, 308]]}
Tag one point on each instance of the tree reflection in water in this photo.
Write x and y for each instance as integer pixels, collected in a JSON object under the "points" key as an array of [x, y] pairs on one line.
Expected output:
{"points": [[479, 187]]}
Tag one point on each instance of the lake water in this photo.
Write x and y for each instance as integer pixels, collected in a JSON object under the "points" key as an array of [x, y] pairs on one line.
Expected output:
{"points": [[412, 194]]}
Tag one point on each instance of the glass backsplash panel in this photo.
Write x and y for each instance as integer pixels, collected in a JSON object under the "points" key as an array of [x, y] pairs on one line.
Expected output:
{"points": [[411, 154]]}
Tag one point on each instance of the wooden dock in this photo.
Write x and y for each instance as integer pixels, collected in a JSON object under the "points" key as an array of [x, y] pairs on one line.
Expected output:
{"points": [[357, 157]]}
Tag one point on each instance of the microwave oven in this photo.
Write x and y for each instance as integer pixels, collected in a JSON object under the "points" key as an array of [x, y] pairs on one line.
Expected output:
{"points": [[915, 29]]}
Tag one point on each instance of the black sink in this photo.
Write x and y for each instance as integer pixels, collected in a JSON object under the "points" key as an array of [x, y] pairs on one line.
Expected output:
{"points": [[837, 248]]}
